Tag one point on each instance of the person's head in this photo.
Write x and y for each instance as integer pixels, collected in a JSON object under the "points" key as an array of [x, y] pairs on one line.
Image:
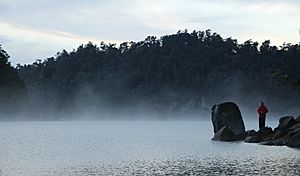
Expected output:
{"points": [[262, 103]]}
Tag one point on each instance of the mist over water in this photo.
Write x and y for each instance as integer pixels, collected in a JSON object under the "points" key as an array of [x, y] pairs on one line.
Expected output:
{"points": [[185, 73], [134, 147], [144, 108]]}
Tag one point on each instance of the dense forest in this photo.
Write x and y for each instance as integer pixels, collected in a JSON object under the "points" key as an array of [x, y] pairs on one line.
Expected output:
{"points": [[180, 73], [12, 89]]}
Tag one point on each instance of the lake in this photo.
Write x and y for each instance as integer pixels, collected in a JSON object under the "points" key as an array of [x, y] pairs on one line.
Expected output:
{"points": [[84, 148]]}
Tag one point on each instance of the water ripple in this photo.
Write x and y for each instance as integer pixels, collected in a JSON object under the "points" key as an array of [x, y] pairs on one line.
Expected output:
{"points": [[185, 166]]}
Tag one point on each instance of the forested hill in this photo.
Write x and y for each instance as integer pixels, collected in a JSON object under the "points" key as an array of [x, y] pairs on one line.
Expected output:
{"points": [[12, 88], [180, 72]]}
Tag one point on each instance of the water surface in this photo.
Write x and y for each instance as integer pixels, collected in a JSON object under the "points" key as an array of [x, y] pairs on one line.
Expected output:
{"points": [[134, 148]]}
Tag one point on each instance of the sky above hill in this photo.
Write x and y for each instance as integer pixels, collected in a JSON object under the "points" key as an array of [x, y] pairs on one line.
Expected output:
{"points": [[35, 29]]}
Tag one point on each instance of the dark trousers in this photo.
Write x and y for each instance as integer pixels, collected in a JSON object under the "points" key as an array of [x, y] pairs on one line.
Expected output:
{"points": [[262, 121]]}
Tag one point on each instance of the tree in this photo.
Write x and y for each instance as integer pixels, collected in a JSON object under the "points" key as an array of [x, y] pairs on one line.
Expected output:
{"points": [[12, 88], [162, 73]]}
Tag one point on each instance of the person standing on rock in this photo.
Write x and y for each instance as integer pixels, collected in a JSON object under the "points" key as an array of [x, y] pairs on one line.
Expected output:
{"points": [[262, 111]]}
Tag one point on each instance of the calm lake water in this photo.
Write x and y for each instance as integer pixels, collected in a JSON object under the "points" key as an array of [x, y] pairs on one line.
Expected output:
{"points": [[134, 148]]}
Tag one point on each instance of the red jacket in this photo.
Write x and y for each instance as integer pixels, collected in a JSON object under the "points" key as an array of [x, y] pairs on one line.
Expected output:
{"points": [[262, 109]]}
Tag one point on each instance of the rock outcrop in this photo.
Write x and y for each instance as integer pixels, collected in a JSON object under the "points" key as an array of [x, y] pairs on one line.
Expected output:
{"points": [[298, 119], [227, 119], [286, 122], [263, 134], [228, 125], [294, 139], [286, 133]]}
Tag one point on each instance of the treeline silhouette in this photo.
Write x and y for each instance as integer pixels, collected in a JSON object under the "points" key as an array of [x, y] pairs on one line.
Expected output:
{"points": [[182, 72], [12, 89]]}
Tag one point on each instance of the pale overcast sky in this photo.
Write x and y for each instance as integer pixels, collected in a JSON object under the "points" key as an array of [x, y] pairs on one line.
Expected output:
{"points": [[37, 29]]}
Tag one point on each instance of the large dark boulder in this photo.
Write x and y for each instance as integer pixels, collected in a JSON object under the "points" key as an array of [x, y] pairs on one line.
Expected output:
{"points": [[228, 114], [224, 134]]}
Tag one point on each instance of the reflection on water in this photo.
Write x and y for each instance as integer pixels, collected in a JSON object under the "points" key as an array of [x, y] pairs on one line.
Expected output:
{"points": [[134, 148], [188, 166]]}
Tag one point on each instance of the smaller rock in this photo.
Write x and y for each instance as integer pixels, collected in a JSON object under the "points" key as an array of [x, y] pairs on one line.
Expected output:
{"points": [[286, 122], [279, 142], [251, 133], [265, 132], [295, 126], [294, 140], [280, 133], [270, 142], [224, 134], [297, 119], [253, 139], [292, 133]]}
